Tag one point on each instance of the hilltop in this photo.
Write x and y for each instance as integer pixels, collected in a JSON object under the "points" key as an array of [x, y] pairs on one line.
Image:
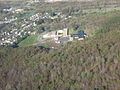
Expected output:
{"points": [[90, 64]]}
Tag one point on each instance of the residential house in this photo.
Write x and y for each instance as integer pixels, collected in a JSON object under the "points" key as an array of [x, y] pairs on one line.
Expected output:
{"points": [[19, 10], [80, 35], [8, 9]]}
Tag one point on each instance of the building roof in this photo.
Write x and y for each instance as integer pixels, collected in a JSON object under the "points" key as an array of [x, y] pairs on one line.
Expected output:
{"points": [[80, 34], [64, 39]]}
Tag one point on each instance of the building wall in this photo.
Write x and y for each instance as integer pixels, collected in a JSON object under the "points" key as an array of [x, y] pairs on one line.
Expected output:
{"points": [[63, 32], [58, 33]]}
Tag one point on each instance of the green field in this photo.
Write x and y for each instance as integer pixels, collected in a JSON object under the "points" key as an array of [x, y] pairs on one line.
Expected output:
{"points": [[30, 40]]}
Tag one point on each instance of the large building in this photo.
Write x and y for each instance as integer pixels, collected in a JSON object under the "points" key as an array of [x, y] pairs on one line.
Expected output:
{"points": [[58, 33]]}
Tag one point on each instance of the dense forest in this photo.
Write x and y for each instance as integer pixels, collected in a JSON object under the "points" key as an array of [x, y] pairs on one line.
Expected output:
{"points": [[92, 64]]}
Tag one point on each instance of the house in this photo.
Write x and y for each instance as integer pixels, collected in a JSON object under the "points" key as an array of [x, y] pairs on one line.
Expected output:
{"points": [[81, 35], [1, 43], [33, 33], [7, 9], [19, 10], [36, 0]]}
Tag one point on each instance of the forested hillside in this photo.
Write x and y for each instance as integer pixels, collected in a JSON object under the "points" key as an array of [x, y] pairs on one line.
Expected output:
{"points": [[93, 64]]}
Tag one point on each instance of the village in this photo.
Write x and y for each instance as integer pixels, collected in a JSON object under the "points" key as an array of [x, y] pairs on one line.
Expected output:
{"points": [[21, 27]]}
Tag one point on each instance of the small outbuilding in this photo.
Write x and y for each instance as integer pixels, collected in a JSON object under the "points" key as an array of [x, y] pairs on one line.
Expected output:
{"points": [[80, 35]]}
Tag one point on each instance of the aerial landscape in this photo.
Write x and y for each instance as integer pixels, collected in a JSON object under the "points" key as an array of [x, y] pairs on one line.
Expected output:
{"points": [[59, 44]]}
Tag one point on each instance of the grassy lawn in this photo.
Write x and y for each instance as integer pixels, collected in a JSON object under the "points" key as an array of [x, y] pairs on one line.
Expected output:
{"points": [[30, 40]]}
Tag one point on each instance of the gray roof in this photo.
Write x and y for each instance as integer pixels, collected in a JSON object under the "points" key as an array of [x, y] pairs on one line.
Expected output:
{"points": [[64, 39]]}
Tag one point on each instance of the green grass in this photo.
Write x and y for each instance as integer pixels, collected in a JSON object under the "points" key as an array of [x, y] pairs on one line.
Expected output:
{"points": [[30, 40]]}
